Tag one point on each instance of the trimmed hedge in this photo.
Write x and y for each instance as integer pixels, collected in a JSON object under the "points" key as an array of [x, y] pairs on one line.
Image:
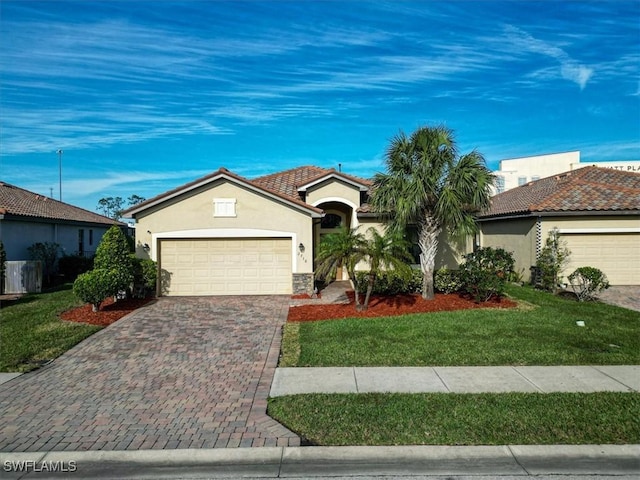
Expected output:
{"points": [[390, 283]]}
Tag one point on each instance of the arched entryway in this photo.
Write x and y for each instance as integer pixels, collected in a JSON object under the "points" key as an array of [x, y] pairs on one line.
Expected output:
{"points": [[338, 214]]}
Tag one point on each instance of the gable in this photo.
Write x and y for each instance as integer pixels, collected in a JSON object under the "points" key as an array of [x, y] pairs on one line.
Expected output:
{"points": [[220, 201], [333, 189]]}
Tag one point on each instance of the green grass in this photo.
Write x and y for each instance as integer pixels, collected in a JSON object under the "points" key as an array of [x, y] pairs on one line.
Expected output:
{"points": [[542, 331], [462, 419], [32, 334]]}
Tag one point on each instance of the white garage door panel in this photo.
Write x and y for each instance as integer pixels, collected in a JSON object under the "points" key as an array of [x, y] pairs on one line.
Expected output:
{"points": [[227, 266], [617, 255]]}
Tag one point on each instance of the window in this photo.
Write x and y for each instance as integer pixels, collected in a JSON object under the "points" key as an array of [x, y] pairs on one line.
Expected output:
{"points": [[224, 207], [411, 236], [499, 184], [331, 220], [81, 242], [522, 180], [535, 177]]}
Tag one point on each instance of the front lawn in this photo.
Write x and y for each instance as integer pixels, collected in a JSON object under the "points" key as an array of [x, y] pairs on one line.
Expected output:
{"points": [[461, 419], [32, 334], [542, 331]]}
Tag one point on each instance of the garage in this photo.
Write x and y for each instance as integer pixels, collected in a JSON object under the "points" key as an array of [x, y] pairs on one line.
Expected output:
{"points": [[616, 254], [225, 266]]}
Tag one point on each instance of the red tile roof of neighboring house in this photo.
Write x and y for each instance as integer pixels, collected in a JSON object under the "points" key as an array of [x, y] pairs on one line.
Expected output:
{"points": [[20, 202], [589, 189]]}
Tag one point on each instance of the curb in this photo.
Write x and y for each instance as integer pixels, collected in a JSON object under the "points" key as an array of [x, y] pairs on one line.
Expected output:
{"points": [[275, 462]]}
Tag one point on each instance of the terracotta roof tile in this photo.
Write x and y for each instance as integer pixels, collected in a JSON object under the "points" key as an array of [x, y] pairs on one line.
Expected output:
{"points": [[268, 187], [289, 181], [587, 189], [18, 201]]}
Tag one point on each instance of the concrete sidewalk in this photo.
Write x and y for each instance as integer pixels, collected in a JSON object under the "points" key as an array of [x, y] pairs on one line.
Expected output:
{"points": [[614, 378], [305, 462]]}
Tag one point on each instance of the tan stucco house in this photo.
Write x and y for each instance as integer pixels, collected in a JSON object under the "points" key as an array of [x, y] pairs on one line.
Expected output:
{"points": [[597, 212], [224, 234]]}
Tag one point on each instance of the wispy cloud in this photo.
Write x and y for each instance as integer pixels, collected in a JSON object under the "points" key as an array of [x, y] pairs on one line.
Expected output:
{"points": [[570, 69]]}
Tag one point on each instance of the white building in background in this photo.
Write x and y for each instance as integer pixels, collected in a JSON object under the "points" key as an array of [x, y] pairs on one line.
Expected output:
{"points": [[519, 171]]}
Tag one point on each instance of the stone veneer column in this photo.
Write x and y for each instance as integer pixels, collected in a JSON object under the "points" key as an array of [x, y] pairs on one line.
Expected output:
{"points": [[303, 283]]}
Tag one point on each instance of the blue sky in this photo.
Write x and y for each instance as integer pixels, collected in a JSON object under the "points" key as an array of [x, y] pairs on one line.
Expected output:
{"points": [[144, 96]]}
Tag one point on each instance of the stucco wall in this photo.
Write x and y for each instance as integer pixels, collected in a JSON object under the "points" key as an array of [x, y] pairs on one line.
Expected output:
{"points": [[333, 190], [450, 250], [517, 236], [18, 236], [194, 211]]}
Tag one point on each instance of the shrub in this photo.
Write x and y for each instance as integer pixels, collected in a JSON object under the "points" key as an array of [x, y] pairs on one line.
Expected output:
{"points": [[447, 281], [73, 265], [585, 281], [390, 283], [552, 260], [94, 286], [145, 275], [485, 273], [113, 254]]}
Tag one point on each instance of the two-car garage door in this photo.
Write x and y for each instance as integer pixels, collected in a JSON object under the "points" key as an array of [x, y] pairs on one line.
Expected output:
{"points": [[225, 266], [616, 254]]}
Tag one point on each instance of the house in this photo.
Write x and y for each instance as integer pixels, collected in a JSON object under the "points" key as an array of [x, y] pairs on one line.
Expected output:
{"points": [[596, 210], [224, 234], [27, 218]]}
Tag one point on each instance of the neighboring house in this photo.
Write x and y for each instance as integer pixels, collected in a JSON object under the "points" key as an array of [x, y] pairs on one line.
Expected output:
{"points": [[27, 218], [225, 234], [518, 171], [597, 211]]}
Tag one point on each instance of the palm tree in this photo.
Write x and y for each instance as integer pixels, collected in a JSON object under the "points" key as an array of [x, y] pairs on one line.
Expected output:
{"points": [[427, 184], [389, 251], [345, 248]]}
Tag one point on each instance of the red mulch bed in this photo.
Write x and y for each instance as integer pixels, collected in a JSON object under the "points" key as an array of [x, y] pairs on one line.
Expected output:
{"points": [[385, 306], [109, 311]]}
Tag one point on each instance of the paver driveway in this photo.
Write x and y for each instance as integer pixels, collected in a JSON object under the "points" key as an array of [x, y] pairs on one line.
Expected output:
{"points": [[180, 373]]}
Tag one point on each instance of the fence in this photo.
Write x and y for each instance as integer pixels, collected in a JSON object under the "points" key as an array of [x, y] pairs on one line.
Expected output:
{"points": [[23, 277]]}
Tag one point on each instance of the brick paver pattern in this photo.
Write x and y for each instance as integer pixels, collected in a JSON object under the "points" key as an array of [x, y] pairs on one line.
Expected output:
{"points": [[180, 373]]}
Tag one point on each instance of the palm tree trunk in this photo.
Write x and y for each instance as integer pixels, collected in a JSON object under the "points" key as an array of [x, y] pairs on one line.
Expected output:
{"points": [[370, 283], [428, 242], [352, 276]]}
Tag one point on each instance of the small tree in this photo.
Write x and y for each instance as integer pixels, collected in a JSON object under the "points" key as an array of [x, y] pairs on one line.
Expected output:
{"points": [[485, 273], [112, 254], [145, 275], [389, 251], [585, 281], [552, 260], [3, 266], [343, 248], [47, 254], [94, 286]]}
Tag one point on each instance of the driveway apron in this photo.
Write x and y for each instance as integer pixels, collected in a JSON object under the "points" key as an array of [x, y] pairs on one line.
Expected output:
{"points": [[191, 372]]}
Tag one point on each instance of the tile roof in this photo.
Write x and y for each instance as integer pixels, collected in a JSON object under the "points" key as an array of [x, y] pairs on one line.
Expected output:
{"points": [[289, 181], [589, 189], [275, 187], [18, 201]]}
